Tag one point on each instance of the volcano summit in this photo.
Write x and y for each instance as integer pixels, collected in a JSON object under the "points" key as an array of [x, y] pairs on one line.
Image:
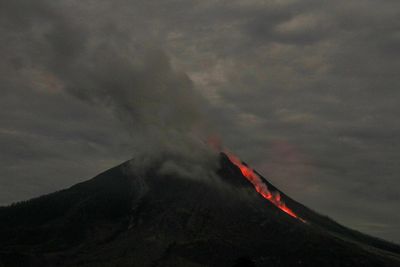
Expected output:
{"points": [[123, 219]]}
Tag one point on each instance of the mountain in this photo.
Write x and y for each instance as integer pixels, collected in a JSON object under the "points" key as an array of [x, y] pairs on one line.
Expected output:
{"points": [[122, 219]]}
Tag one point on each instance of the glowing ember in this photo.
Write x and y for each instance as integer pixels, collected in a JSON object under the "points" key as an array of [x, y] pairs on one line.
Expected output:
{"points": [[261, 188]]}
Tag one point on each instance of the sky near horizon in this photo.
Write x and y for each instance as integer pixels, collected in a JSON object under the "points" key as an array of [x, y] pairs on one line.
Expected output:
{"points": [[307, 92]]}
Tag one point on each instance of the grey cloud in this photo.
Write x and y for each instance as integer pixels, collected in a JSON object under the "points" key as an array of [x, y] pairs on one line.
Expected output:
{"points": [[318, 76]]}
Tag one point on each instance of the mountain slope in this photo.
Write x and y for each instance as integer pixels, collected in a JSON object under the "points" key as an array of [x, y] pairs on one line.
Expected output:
{"points": [[122, 219]]}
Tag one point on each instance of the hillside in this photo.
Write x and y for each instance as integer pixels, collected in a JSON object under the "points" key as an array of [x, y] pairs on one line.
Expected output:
{"points": [[121, 219]]}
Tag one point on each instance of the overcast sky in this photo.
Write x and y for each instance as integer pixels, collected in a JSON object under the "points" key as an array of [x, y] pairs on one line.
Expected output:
{"points": [[306, 92]]}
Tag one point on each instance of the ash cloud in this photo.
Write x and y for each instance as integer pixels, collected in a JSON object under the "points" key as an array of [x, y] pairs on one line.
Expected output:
{"points": [[158, 105], [137, 82]]}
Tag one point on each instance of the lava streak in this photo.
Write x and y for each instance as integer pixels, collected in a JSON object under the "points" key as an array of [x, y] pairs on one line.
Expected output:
{"points": [[262, 188]]}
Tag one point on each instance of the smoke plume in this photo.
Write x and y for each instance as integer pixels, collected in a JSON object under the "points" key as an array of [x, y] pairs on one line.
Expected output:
{"points": [[136, 81]]}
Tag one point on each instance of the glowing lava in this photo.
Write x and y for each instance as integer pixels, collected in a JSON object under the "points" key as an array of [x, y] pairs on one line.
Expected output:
{"points": [[262, 188]]}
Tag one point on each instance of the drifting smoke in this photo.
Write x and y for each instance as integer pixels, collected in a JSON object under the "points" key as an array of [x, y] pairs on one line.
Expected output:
{"points": [[158, 105], [107, 67]]}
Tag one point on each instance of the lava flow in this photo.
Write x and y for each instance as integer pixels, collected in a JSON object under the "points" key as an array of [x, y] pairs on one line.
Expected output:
{"points": [[261, 188]]}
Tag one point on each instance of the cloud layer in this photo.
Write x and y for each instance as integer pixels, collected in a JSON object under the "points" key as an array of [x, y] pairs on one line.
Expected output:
{"points": [[305, 91]]}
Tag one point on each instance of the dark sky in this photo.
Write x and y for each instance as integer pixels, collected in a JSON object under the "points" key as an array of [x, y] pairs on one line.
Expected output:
{"points": [[306, 92]]}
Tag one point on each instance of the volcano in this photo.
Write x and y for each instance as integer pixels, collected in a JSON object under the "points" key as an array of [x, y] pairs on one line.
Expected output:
{"points": [[119, 218]]}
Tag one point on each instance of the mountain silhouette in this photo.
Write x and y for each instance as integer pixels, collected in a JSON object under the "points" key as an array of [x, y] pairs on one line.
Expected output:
{"points": [[120, 218]]}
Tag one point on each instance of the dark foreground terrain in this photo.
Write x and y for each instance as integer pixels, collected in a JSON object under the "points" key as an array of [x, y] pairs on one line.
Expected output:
{"points": [[122, 219]]}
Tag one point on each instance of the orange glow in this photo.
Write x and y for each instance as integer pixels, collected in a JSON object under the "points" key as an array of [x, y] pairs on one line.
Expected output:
{"points": [[262, 188]]}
